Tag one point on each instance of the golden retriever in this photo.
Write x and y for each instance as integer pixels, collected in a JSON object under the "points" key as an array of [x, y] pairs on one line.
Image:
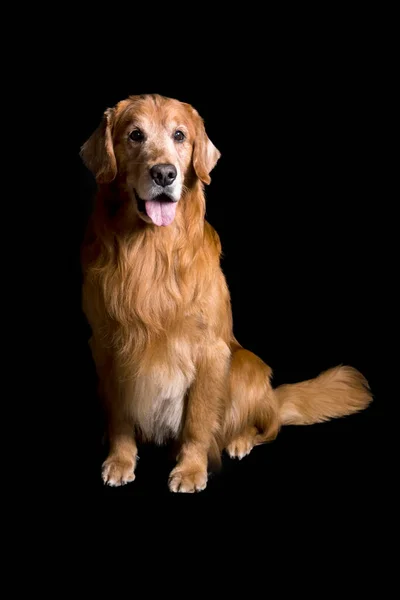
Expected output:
{"points": [[168, 364]]}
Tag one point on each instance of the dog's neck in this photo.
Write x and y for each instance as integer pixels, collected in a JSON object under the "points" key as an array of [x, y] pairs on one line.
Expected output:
{"points": [[152, 281]]}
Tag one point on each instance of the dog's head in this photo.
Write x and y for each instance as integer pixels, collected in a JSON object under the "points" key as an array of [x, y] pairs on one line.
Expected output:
{"points": [[155, 147]]}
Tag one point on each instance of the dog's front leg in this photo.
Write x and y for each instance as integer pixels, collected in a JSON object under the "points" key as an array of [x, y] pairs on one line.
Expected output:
{"points": [[202, 419], [119, 467]]}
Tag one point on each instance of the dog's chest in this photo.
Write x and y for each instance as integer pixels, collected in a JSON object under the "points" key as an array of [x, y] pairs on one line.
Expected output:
{"points": [[164, 377]]}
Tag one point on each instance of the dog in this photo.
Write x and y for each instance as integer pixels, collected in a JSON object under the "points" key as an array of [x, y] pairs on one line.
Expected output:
{"points": [[157, 302]]}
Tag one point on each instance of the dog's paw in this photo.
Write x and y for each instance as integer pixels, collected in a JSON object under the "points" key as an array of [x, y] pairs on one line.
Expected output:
{"points": [[181, 480], [240, 447], [118, 471]]}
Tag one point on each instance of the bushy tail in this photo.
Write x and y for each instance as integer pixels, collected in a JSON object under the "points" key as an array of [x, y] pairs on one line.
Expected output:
{"points": [[334, 393]]}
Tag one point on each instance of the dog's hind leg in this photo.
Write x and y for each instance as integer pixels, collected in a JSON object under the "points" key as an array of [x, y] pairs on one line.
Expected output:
{"points": [[243, 443], [252, 416]]}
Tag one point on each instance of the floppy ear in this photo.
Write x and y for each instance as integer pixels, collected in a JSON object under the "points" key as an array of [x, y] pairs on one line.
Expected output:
{"points": [[98, 151], [205, 154]]}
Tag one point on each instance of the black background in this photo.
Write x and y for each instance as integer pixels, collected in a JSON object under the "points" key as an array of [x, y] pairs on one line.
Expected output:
{"points": [[294, 200]]}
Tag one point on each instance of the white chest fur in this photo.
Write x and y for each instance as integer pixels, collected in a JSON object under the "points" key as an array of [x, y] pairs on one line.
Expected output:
{"points": [[160, 389]]}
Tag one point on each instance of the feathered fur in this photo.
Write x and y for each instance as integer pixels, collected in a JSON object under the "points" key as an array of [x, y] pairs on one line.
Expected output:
{"points": [[159, 308]]}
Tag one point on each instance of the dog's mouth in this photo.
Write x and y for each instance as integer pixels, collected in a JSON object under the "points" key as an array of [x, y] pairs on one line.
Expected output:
{"points": [[161, 210]]}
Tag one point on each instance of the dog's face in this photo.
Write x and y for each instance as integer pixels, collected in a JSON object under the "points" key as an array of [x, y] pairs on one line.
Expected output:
{"points": [[156, 147]]}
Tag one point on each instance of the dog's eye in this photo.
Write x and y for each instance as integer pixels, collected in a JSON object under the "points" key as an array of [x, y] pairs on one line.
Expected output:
{"points": [[179, 136], [136, 135]]}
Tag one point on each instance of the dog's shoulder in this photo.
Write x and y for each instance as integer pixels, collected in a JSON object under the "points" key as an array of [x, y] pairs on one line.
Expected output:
{"points": [[212, 238]]}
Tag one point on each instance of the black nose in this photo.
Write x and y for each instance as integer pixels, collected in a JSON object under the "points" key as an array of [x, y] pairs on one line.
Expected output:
{"points": [[163, 174]]}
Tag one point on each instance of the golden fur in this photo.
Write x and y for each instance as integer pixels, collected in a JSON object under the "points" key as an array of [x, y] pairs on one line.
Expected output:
{"points": [[159, 308]]}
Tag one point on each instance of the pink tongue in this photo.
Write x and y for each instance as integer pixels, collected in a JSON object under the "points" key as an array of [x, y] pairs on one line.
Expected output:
{"points": [[161, 213]]}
